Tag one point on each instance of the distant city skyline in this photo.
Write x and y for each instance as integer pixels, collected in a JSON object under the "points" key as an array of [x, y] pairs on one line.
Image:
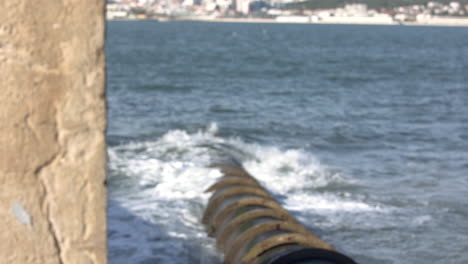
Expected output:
{"points": [[282, 11]]}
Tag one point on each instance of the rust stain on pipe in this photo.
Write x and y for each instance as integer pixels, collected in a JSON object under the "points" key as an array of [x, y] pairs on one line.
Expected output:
{"points": [[226, 229], [237, 190], [253, 228], [232, 180]]}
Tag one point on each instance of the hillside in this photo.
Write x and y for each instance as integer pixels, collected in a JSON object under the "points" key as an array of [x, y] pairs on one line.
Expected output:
{"points": [[374, 4]]}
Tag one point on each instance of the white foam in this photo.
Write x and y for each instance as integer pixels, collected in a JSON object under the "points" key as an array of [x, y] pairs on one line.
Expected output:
{"points": [[422, 220], [327, 203], [164, 182], [287, 170]]}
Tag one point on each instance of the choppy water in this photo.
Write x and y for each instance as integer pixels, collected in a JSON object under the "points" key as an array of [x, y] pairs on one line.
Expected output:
{"points": [[360, 131]]}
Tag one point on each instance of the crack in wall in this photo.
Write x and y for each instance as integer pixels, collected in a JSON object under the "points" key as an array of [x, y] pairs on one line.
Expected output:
{"points": [[47, 200], [54, 155], [51, 225], [46, 164]]}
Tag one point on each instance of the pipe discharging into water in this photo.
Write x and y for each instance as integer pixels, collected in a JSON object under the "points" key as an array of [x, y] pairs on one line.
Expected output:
{"points": [[251, 227]]}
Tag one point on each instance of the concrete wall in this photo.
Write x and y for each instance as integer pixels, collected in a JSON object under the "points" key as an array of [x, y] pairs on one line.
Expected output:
{"points": [[52, 132]]}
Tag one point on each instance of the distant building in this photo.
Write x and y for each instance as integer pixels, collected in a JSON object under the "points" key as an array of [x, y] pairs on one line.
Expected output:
{"points": [[242, 6], [352, 10], [117, 10], [223, 5], [434, 5], [455, 5], [356, 9]]}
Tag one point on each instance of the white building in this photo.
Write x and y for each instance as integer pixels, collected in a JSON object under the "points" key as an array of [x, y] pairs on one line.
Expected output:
{"points": [[434, 4], [223, 4], [243, 6], [356, 9], [117, 11], [455, 5]]}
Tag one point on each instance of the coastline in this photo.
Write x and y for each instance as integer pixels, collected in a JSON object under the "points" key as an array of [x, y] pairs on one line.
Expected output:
{"points": [[438, 21]]}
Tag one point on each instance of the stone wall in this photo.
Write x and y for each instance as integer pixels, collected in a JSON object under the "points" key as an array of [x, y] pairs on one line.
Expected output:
{"points": [[52, 132]]}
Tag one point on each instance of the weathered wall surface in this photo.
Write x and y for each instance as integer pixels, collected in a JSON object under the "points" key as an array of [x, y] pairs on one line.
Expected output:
{"points": [[52, 132]]}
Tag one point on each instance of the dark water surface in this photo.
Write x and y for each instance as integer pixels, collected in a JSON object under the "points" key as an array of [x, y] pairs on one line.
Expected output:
{"points": [[361, 131]]}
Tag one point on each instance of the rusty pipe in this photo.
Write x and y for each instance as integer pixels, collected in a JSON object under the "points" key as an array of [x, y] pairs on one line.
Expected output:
{"points": [[252, 227]]}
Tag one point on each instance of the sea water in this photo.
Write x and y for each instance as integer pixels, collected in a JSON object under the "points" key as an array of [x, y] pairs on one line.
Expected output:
{"points": [[360, 131]]}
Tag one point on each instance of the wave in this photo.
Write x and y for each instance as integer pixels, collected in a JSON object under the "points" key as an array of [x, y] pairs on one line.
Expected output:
{"points": [[161, 184]]}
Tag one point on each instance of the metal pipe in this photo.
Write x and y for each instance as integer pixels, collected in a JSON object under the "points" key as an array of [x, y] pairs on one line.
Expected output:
{"points": [[253, 228]]}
